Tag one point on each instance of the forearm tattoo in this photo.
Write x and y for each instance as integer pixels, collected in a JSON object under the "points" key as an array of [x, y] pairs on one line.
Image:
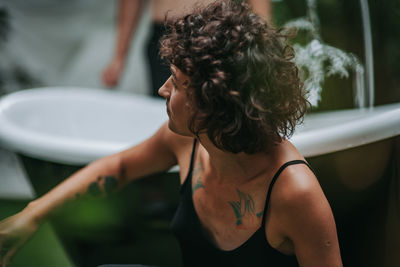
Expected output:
{"points": [[104, 185]]}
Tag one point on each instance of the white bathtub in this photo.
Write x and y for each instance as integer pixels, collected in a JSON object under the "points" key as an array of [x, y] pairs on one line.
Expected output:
{"points": [[76, 125], [79, 125]]}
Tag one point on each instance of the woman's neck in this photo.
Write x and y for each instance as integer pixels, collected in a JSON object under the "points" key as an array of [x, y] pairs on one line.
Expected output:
{"points": [[240, 167]]}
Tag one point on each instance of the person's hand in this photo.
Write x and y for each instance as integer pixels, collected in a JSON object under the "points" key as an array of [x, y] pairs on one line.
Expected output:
{"points": [[14, 232], [112, 73]]}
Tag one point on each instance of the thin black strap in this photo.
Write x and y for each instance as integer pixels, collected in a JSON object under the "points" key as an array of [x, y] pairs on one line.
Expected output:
{"points": [[293, 162], [191, 160]]}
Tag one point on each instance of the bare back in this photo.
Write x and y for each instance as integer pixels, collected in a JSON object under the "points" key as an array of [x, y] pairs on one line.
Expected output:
{"points": [[174, 8]]}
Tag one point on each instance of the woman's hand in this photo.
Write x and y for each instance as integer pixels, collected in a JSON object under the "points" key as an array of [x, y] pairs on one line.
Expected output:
{"points": [[14, 232], [111, 75]]}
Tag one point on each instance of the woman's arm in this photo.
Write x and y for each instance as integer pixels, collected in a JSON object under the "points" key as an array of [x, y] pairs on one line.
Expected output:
{"points": [[101, 177], [128, 15], [110, 173], [306, 218]]}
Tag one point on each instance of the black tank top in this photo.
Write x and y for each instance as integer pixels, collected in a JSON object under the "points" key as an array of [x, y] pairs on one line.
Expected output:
{"points": [[198, 250]]}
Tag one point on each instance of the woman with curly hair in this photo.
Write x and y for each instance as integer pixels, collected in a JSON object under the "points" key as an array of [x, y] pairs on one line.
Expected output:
{"points": [[248, 197]]}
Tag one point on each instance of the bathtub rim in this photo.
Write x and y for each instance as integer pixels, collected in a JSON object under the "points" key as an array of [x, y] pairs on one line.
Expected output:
{"points": [[343, 135]]}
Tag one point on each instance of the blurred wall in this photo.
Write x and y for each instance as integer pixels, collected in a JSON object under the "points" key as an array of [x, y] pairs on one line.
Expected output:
{"points": [[66, 43]]}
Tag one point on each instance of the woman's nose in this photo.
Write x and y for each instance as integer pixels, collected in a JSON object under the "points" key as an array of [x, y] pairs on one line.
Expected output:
{"points": [[164, 90]]}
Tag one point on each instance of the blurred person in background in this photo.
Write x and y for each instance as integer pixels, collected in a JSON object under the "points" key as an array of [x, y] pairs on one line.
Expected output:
{"points": [[128, 16]]}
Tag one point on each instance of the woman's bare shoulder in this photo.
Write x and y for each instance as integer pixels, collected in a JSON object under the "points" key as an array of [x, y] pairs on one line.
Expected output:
{"points": [[296, 182], [299, 201], [296, 189], [305, 216]]}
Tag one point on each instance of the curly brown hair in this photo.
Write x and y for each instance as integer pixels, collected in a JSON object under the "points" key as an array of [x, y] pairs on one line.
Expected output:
{"points": [[246, 89]]}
